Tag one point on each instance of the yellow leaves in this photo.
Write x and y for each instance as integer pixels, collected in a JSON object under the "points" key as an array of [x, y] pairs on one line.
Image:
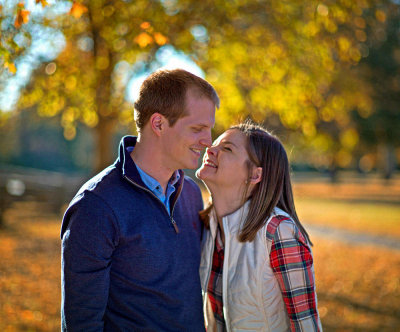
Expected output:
{"points": [[344, 44], [77, 10], [149, 37], [349, 138], [51, 105], [322, 10], [69, 132], [11, 67], [380, 15], [22, 16], [310, 29], [102, 62], [90, 118], [343, 158], [70, 83]]}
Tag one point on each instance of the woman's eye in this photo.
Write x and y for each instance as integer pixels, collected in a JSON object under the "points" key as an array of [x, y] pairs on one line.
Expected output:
{"points": [[227, 149]]}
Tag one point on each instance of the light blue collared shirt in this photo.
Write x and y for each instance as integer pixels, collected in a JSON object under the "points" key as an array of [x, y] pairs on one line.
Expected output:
{"points": [[156, 188]]}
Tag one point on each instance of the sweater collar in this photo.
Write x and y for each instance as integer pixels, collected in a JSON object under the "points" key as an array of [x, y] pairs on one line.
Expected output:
{"points": [[128, 166]]}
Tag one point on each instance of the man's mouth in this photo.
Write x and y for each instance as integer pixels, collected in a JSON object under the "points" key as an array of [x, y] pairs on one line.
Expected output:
{"points": [[196, 151]]}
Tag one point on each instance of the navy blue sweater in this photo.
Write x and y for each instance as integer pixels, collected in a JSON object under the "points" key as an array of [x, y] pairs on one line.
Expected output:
{"points": [[124, 267]]}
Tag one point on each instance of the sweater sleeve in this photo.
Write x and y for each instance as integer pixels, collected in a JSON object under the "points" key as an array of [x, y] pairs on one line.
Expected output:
{"points": [[88, 241], [292, 263]]}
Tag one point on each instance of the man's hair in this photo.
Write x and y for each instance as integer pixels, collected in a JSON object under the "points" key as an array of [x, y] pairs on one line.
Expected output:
{"points": [[266, 151], [164, 92]]}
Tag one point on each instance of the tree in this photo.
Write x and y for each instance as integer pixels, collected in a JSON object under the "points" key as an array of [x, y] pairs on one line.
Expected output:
{"points": [[381, 69], [284, 63]]}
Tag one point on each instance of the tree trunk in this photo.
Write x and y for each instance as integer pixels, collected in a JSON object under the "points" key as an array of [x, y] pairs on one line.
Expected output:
{"points": [[387, 160], [105, 152], [108, 115]]}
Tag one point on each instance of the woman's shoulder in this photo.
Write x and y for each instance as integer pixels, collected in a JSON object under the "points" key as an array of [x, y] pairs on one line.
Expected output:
{"points": [[282, 226]]}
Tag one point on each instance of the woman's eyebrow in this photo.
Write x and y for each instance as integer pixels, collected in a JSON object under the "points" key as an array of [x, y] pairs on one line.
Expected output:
{"points": [[229, 142]]}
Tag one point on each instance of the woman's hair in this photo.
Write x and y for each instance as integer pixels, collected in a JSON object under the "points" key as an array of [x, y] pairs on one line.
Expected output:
{"points": [[274, 189]]}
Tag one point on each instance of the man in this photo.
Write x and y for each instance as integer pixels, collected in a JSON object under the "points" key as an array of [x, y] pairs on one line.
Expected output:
{"points": [[131, 235]]}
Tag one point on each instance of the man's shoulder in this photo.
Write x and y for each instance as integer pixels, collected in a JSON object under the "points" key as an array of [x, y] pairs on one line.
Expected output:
{"points": [[96, 182], [97, 189]]}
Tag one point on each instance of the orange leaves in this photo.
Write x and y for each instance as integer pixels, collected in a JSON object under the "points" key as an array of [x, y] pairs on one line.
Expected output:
{"points": [[143, 39], [160, 38], [149, 37], [43, 2], [77, 10], [11, 67], [22, 16]]}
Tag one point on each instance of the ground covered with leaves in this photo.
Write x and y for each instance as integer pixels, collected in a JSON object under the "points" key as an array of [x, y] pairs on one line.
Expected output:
{"points": [[358, 284]]}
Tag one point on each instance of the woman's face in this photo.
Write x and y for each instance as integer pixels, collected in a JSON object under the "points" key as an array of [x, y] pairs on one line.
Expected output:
{"points": [[224, 163]]}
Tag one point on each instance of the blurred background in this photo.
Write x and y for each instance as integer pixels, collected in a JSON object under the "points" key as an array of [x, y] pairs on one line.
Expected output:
{"points": [[324, 76]]}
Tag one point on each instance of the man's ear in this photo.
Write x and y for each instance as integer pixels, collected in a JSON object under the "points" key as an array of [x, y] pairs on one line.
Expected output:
{"points": [[157, 123], [256, 175]]}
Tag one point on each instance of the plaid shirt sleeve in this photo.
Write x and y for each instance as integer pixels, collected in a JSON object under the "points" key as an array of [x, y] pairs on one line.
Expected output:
{"points": [[292, 262]]}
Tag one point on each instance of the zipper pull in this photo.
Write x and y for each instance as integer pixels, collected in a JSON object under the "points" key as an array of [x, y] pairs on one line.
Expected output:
{"points": [[173, 222]]}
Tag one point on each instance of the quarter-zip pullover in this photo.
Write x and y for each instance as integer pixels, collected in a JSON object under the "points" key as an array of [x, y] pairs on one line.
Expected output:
{"points": [[127, 263]]}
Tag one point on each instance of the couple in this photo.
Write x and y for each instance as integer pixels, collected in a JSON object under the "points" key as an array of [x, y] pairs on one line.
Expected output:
{"points": [[135, 236]]}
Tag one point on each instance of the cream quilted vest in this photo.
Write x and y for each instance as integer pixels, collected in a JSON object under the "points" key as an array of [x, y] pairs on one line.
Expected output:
{"points": [[251, 294]]}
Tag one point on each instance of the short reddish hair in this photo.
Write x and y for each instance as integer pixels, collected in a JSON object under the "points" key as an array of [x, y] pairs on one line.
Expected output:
{"points": [[164, 92]]}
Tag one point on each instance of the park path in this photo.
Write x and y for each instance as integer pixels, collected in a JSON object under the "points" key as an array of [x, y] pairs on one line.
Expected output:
{"points": [[352, 237]]}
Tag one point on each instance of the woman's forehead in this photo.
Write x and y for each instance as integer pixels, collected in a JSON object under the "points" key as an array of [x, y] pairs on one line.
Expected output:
{"points": [[231, 135]]}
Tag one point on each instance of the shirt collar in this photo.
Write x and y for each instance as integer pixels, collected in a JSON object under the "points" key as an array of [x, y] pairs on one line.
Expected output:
{"points": [[151, 182]]}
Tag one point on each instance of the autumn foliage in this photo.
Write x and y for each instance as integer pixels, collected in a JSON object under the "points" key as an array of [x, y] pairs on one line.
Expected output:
{"points": [[306, 69]]}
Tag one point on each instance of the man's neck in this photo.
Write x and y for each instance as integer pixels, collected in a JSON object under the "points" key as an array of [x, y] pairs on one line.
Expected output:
{"points": [[146, 156]]}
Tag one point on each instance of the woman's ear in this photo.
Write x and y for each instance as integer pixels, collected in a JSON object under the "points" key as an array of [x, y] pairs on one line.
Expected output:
{"points": [[157, 123], [256, 175]]}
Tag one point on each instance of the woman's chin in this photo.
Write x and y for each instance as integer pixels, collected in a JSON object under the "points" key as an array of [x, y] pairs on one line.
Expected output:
{"points": [[198, 173], [201, 174]]}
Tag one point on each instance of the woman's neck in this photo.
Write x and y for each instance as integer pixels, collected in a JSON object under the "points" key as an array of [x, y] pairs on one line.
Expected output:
{"points": [[226, 202]]}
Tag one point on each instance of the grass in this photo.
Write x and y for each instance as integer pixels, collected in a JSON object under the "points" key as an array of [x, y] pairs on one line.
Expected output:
{"points": [[375, 218], [366, 206], [358, 286]]}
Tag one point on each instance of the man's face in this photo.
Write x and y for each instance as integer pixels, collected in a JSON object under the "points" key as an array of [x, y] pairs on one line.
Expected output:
{"points": [[185, 140]]}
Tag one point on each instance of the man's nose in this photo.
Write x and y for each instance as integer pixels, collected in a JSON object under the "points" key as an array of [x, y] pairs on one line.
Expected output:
{"points": [[206, 140]]}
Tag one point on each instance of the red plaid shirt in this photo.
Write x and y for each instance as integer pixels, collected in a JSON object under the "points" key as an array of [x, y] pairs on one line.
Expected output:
{"points": [[214, 289], [292, 263]]}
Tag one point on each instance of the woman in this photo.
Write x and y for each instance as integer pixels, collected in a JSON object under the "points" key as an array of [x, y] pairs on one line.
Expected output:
{"points": [[256, 267]]}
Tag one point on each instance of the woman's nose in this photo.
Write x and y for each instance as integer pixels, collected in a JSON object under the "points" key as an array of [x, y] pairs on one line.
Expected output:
{"points": [[212, 150]]}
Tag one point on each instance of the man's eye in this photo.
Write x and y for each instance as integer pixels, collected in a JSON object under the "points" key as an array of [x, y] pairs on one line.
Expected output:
{"points": [[196, 130], [227, 149]]}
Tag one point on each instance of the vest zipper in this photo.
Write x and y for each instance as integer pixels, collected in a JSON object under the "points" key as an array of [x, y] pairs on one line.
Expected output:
{"points": [[173, 222]]}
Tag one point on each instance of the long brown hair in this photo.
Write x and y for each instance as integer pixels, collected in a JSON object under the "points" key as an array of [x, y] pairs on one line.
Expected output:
{"points": [[274, 189]]}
